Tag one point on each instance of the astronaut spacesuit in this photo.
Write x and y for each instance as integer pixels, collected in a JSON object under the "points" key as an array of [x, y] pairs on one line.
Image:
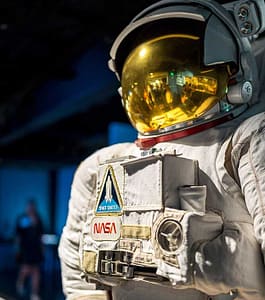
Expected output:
{"points": [[180, 213]]}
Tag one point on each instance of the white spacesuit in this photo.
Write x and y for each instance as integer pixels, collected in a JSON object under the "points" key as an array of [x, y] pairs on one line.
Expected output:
{"points": [[180, 214]]}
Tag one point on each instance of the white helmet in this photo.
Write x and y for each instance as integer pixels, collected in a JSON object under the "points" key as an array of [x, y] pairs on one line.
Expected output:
{"points": [[185, 66]]}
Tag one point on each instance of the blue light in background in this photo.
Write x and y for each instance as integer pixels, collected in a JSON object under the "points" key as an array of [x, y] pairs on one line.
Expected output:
{"points": [[17, 186], [121, 132]]}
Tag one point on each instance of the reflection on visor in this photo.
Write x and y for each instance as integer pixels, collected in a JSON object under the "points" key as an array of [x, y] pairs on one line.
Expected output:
{"points": [[163, 83], [181, 84], [180, 91]]}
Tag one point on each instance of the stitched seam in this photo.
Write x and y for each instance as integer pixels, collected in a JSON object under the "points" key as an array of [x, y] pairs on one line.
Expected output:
{"points": [[257, 182]]}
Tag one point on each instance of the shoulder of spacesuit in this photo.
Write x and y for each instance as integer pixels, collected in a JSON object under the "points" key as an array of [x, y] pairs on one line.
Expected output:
{"points": [[90, 164], [113, 152], [248, 128]]}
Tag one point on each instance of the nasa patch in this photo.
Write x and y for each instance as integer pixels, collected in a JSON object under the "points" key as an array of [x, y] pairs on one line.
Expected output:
{"points": [[106, 228], [109, 201]]}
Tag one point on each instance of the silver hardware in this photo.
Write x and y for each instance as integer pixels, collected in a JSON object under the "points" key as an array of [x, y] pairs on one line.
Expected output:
{"points": [[246, 28], [115, 263], [170, 235], [243, 13]]}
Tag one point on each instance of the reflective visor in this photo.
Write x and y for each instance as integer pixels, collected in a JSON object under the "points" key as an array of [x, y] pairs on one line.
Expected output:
{"points": [[164, 83]]}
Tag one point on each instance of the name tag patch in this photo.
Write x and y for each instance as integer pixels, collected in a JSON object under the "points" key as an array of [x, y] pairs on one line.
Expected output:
{"points": [[106, 228]]}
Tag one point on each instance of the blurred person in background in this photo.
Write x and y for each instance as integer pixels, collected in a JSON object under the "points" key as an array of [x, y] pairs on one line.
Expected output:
{"points": [[29, 230]]}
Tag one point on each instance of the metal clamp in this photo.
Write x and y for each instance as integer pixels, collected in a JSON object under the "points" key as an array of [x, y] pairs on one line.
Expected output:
{"points": [[119, 263], [115, 263]]}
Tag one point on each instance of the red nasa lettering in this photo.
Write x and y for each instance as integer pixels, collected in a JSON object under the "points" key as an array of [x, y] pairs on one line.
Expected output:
{"points": [[104, 227]]}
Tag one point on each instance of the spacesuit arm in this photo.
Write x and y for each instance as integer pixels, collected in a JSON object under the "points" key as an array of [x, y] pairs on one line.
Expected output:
{"points": [[252, 178], [74, 286]]}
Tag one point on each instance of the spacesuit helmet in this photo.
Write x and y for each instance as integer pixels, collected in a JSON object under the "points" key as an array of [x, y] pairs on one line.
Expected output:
{"points": [[187, 64]]}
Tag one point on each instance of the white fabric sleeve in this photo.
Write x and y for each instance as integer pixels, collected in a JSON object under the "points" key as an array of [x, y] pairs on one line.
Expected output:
{"points": [[251, 173], [84, 183], [82, 200]]}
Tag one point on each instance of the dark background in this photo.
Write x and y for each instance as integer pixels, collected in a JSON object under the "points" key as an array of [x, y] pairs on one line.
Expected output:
{"points": [[58, 104], [57, 93]]}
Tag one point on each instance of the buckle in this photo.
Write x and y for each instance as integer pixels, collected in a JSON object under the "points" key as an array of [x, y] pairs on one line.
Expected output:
{"points": [[115, 263]]}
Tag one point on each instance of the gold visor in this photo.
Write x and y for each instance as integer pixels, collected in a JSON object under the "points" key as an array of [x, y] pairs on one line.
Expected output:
{"points": [[164, 83]]}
